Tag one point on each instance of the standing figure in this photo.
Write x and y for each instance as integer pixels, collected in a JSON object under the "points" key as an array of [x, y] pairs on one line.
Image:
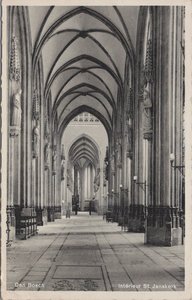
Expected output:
{"points": [[36, 140], [97, 180], [129, 135], [112, 163], [46, 153], [54, 159], [90, 206], [62, 171], [147, 110], [68, 211], [16, 109], [119, 150]]}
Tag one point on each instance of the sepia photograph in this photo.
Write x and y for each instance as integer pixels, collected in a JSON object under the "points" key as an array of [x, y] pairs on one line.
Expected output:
{"points": [[95, 150]]}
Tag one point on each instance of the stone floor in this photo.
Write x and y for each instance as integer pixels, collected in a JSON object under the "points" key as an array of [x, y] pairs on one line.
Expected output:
{"points": [[84, 253]]}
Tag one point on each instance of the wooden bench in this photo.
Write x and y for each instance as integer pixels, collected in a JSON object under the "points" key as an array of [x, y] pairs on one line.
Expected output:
{"points": [[26, 223], [125, 223], [109, 216]]}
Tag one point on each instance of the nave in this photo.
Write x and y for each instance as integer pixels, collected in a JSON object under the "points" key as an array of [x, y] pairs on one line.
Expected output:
{"points": [[96, 143], [86, 253]]}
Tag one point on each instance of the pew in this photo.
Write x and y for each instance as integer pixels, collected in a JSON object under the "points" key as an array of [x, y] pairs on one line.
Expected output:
{"points": [[26, 222]]}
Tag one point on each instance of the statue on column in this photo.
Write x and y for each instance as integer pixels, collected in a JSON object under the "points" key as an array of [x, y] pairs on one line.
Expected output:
{"points": [[54, 159], [16, 109], [36, 140], [147, 111], [106, 169], [146, 82], [106, 164], [36, 113], [69, 179], [62, 171], [62, 163], [47, 142], [46, 128], [46, 154], [129, 132], [119, 151], [15, 87], [97, 180], [112, 163], [62, 154]]}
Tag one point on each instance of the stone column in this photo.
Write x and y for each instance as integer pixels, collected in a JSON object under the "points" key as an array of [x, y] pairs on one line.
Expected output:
{"points": [[46, 195], [115, 191], [51, 215], [11, 220], [76, 196], [163, 225], [81, 180], [111, 174], [11, 171], [128, 149], [36, 171], [143, 128], [118, 174], [62, 197], [54, 173], [113, 181], [62, 185], [14, 165], [15, 116], [46, 180], [91, 182], [59, 166], [85, 183]]}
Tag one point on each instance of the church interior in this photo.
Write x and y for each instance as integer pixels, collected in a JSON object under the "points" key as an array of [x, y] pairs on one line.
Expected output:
{"points": [[96, 142]]}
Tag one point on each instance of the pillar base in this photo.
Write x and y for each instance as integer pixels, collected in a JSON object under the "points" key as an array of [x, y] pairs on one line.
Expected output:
{"points": [[41, 216], [120, 220], [136, 220], [50, 214], [44, 216], [11, 225], [163, 236], [115, 214], [123, 218], [163, 226], [57, 212]]}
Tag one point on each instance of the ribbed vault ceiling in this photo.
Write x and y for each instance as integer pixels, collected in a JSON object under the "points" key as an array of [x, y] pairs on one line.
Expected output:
{"points": [[84, 150], [84, 52]]}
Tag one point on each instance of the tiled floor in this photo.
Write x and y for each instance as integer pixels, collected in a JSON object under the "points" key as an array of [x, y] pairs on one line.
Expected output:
{"points": [[86, 253]]}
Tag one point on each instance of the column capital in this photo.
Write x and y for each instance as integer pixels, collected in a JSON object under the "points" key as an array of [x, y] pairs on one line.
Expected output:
{"points": [[148, 135], [14, 131]]}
